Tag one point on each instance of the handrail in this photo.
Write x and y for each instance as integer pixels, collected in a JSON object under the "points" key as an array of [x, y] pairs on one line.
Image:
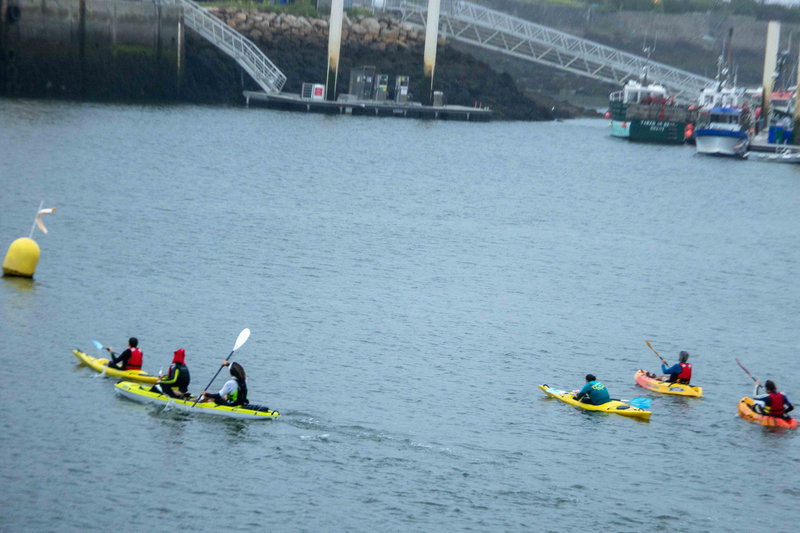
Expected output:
{"points": [[470, 23], [233, 43]]}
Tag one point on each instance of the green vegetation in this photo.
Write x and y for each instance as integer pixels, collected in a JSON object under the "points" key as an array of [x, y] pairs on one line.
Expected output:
{"points": [[293, 7]]}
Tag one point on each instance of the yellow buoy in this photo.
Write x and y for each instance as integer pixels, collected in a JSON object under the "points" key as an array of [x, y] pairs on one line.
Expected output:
{"points": [[22, 258]]}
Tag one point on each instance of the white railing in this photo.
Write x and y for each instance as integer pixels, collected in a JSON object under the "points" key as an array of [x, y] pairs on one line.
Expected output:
{"points": [[233, 43], [486, 28]]}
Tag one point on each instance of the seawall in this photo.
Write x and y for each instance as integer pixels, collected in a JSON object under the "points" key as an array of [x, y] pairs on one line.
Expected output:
{"points": [[94, 49]]}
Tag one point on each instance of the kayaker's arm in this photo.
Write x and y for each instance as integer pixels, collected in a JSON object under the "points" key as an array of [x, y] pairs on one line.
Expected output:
{"points": [[171, 380], [789, 406], [757, 389], [674, 369], [583, 393]]}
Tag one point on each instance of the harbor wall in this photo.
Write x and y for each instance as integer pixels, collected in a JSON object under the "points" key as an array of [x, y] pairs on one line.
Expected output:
{"points": [[95, 49]]}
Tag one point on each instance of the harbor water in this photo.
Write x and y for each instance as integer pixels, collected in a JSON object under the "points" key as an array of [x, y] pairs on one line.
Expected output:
{"points": [[407, 284]]}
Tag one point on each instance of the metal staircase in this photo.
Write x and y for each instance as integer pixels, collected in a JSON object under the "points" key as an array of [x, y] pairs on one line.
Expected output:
{"points": [[233, 43], [493, 30]]}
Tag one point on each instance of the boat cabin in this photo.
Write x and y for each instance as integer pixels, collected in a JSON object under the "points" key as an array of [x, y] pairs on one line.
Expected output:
{"points": [[635, 93], [720, 97], [723, 118]]}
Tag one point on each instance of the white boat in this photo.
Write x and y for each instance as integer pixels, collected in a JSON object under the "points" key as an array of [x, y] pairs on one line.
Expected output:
{"points": [[722, 131], [723, 124]]}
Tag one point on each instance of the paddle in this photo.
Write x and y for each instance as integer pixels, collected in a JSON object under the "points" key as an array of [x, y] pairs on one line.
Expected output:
{"points": [[641, 403], [655, 352], [99, 346], [747, 371], [239, 341]]}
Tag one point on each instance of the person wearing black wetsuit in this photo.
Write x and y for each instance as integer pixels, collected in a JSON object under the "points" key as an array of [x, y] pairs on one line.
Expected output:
{"points": [[177, 377]]}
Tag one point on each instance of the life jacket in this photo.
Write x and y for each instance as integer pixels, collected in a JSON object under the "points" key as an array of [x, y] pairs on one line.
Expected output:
{"points": [[775, 407], [686, 373], [135, 360], [178, 376], [239, 397]]}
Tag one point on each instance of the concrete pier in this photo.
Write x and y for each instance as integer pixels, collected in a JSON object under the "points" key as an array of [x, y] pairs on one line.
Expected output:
{"points": [[99, 49], [371, 108]]}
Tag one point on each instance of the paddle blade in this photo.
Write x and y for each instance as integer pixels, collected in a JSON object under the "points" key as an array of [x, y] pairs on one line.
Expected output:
{"points": [[97, 344], [243, 336], [641, 403]]}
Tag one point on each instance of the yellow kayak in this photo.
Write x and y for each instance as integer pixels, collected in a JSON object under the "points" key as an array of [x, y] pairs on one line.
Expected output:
{"points": [[650, 382], [142, 394], [101, 365], [614, 406]]}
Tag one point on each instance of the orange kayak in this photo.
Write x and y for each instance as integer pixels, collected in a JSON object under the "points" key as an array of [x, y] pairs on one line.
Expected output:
{"points": [[746, 412], [649, 382]]}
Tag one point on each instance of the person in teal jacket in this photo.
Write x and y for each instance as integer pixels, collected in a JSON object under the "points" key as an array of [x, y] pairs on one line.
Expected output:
{"points": [[594, 392]]}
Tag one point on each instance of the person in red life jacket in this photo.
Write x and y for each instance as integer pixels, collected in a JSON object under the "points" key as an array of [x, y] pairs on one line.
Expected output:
{"points": [[774, 403], [130, 359], [177, 377], [234, 392], [680, 372]]}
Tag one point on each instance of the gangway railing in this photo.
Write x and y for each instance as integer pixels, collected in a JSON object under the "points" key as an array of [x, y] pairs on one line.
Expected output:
{"points": [[493, 30], [233, 43]]}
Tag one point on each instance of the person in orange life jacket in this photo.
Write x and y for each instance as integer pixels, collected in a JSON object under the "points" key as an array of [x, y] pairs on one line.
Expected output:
{"points": [[679, 372], [130, 359], [774, 403], [234, 392], [177, 377]]}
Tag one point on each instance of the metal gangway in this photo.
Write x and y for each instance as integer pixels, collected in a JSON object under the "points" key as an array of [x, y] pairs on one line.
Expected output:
{"points": [[233, 43], [493, 30]]}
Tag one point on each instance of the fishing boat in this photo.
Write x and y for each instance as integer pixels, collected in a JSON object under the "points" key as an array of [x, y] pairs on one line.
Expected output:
{"points": [[723, 131], [645, 112], [724, 122]]}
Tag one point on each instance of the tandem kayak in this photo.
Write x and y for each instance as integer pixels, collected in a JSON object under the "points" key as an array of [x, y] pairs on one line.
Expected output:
{"points": [[101, 365], [142, 394], [650, 382], [746, 411], [614, 406]]}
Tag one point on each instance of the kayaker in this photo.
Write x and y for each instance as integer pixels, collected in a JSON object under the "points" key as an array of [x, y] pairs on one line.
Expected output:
{"points": [[594, 392], [177, 377], [234, 392], [130, 359], [680, 372], [774, 403]]}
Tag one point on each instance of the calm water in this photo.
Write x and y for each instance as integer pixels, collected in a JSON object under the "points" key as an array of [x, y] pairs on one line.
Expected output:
{"points": [[407, 284]]}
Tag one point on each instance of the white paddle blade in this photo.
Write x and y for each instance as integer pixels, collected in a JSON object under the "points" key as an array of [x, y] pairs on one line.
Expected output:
{"points": [[243, 336]]}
